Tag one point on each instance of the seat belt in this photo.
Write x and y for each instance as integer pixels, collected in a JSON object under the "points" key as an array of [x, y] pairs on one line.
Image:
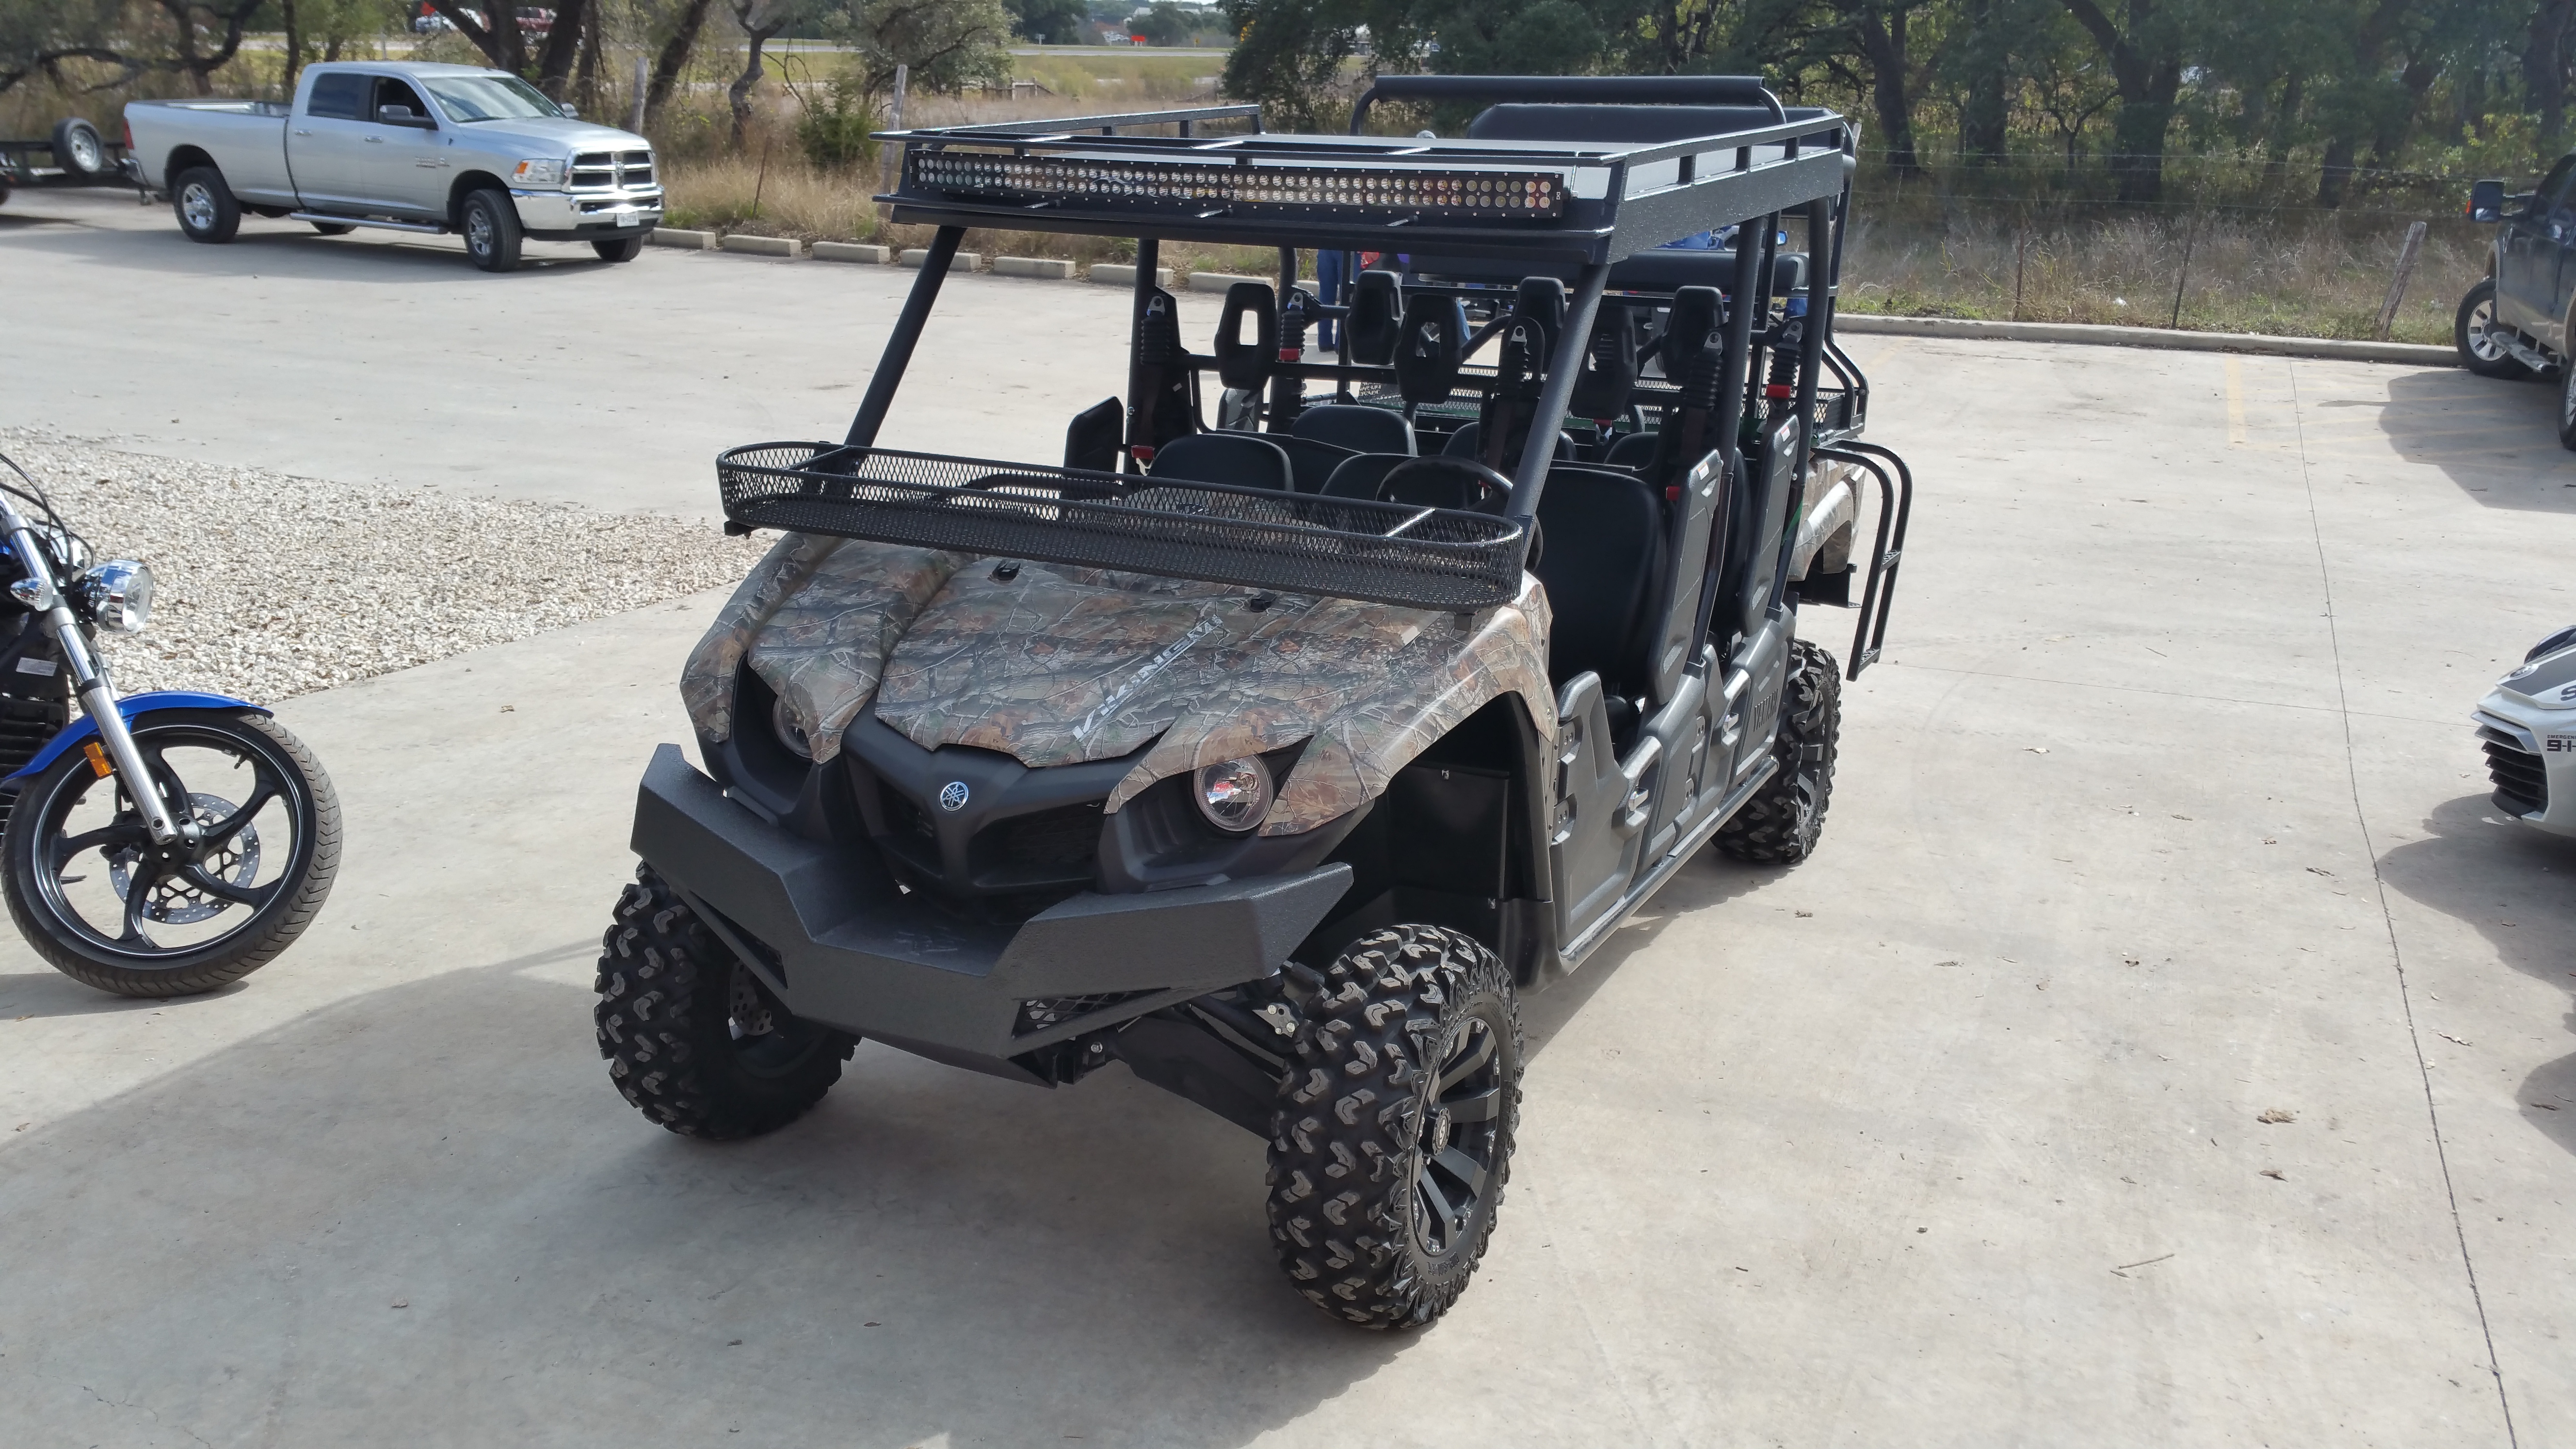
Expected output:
{"points": [[1164, 404]]}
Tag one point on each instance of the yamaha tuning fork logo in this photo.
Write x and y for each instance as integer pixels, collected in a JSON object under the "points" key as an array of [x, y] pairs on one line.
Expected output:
{"points": [[952, 796]]}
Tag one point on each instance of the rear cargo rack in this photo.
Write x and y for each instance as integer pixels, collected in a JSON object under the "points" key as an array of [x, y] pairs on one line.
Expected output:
{"points": [[1296, 543]]}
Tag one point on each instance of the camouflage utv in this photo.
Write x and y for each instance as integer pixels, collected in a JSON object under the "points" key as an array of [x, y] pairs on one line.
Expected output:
{"points": [[1276, 760]]}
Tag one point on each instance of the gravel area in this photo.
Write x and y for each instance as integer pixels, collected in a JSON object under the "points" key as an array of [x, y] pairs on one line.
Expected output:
{"points": [[271, 586]]}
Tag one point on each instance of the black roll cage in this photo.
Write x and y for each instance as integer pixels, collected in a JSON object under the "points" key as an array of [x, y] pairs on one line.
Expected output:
{"points": [[1735, 178]]}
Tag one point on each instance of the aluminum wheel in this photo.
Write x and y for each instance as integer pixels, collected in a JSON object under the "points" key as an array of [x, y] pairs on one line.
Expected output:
{"points": [[478, 232], [2484, 345], [197, 206]]}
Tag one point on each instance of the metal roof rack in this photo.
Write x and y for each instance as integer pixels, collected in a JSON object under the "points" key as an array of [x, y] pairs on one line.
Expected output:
{"points": [[1586, 202]]}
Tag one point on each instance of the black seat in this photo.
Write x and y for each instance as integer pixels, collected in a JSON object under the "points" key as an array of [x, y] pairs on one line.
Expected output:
{"points": [[1361, 473], [1632, 452], [1309, 461], [1360, 429], [1239, 459], [1603, 568], [1465, 442]]}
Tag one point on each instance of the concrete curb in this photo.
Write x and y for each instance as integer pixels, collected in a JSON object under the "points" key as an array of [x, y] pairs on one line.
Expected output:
{"points": [[1123, 274], [1053, 269], [765, 246], [962, 262], [1219, 281], [852, 252], [2412, 353], [696, 241]]}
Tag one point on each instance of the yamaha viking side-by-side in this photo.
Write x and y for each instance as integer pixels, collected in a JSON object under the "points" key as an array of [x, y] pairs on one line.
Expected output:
{"points": [[1278, 760]]}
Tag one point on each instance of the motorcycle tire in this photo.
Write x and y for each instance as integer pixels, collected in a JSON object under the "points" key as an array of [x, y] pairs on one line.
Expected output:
{"points": [[104, 905]]}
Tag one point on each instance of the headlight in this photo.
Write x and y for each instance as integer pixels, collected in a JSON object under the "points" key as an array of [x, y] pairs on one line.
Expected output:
{"points": [[1236, 794], [538, 173], [116, 595]]}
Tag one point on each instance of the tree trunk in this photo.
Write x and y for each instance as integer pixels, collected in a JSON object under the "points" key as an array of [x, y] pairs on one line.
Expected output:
{"points": [[2544, 71], [1985, 116], [674, 58], [2148, 84], [502, 42], [740, 92], [563, 45], [585, 79], [1882, 44], [294, 45], [2335, 173]]}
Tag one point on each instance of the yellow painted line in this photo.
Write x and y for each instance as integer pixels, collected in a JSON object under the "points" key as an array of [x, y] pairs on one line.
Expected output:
{"points": [[2235, 402]]}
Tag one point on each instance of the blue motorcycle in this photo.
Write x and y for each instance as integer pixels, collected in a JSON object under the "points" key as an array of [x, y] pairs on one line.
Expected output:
{"points": [[162, 844]]}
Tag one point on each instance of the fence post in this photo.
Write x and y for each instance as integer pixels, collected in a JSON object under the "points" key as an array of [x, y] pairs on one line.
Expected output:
{"points": [[886, 177], [2021, 253], [643, 78], [2406, 253]]}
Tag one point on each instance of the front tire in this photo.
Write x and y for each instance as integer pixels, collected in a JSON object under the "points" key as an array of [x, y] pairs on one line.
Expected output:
{"points": [[693, 1039], [2473, 333], [1393, 1133], [205, 206], [2567, 407], [105, 906], [1781, 823], [491, 227], [620, 249]]}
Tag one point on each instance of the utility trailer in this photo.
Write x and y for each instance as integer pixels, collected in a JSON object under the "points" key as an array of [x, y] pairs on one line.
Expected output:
{"points": [[1276, 761], [74, 155]]}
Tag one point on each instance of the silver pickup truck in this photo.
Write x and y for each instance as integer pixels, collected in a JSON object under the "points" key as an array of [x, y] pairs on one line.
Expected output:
{"points": [[421, 148]]}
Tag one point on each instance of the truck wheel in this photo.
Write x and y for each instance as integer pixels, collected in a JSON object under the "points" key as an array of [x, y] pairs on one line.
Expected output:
{"points": [[691, 1036], [205, 205], [2567, 406], [1393, 1135], [77, 148], [1779, 825], [623, 249], [491, 227], [2474, 333], [333, 228]]}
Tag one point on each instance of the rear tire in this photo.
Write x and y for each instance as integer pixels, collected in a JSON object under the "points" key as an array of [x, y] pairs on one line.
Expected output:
{"points": [[2567, 407], [2470, 330], [692, 1038], [1383, 1184], [623, 249], [333, 228], [491, 227], [204, 205], [1780, 824]]}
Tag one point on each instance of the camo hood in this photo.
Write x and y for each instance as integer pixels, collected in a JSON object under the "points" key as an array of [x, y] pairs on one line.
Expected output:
{"points": [[1054, 665]]}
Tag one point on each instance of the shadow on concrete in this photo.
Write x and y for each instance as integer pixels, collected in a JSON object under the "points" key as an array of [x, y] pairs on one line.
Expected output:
{"points": [[2497, 440], [2517, 887], [51, 994], [1708, 880], [929, 1252], [263, 248]]}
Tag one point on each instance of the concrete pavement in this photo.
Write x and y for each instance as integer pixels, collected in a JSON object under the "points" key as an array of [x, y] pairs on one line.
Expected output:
{"points": [[2162, 815]]}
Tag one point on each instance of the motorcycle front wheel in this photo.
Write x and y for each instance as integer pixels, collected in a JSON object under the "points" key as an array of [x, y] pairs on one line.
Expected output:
{"points": [[107, 907]]}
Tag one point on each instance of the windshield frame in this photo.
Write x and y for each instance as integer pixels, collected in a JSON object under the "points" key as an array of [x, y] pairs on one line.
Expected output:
{"points": [[507, 83]]}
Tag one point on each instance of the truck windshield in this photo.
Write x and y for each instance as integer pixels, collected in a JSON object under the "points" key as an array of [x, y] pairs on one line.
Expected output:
{"points": [[489, 98]]}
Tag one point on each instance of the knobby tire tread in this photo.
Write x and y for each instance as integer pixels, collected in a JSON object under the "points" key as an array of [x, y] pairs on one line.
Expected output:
{"points": [[1774, 827]]}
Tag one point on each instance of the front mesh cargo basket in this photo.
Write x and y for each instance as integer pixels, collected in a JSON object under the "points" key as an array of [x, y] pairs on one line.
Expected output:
{"points": [[1389, 553]]}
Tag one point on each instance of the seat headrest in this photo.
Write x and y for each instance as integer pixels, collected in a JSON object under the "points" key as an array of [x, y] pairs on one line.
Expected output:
{"points": [[1240, 460], [1355, 426]]}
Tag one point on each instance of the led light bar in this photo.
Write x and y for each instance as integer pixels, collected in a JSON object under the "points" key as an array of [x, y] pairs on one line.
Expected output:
{"points": [[1172, 185]]}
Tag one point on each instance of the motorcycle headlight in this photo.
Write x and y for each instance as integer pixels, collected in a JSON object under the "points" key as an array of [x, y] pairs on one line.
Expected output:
{"points": [[1235, 795], [116, 595], [538, 173]]}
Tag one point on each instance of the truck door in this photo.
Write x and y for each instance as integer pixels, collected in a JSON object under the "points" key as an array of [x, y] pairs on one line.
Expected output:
{"points": [[326, 145], [407, 167], [2527, 249]]}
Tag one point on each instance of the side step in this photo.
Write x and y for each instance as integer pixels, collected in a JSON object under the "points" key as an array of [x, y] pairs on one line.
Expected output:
{"points": [[326, 219]]}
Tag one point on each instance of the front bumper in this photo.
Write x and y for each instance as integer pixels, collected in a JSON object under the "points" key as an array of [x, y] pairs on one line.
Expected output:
{"points": [[827, 928], [586, 216], [2531, 757]]}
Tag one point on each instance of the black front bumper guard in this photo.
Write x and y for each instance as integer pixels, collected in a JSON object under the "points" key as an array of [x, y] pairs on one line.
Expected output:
{"points": [[830, 932]]}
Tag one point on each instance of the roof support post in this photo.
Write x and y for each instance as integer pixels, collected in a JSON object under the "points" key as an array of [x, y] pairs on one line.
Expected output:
{"points": [[1149, 264], [907, 331], [1821, 257], [1538, 450]]}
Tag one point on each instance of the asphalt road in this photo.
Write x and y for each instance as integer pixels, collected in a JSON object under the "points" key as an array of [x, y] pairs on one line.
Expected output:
{"points": [[2162, 815]]}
